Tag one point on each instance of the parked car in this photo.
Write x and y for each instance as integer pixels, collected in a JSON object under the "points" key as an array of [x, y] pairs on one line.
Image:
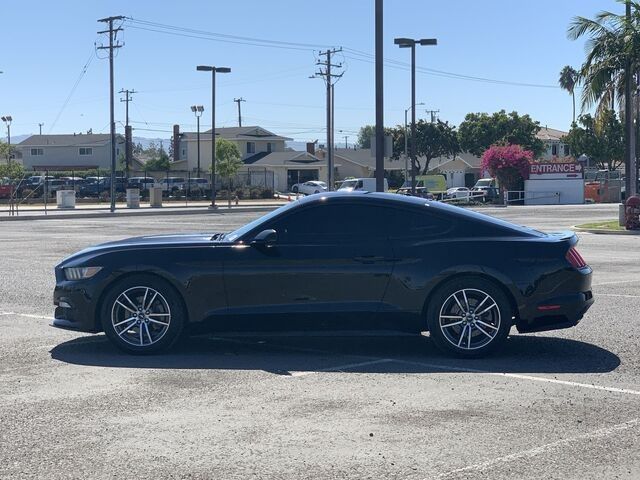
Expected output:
{"points": [[96, 186], [143, 183], [6, 188], [197, 184], [354, 261], [55, 184], [420, 191], [458, 192], [172, 184], [487, 187], [361, 184], [310, 187]]}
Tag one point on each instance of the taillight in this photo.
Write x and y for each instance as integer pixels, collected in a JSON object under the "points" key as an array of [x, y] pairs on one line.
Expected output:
{"points": [[575, 259]]}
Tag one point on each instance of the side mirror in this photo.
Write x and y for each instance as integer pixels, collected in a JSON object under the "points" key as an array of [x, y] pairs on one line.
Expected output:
{"points": [[264, 238]]}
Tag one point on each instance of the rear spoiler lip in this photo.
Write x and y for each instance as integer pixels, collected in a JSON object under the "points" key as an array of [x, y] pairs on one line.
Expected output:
{"points": [[565, 236]]}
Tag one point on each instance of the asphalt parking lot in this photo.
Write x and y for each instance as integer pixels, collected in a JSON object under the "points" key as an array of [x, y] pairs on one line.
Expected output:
{"points": [[562, 404]]}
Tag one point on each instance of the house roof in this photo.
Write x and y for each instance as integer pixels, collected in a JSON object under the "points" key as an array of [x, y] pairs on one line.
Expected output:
{"points": [[237, 133], [363, 158], [69, 140], [461, 162], [282, 159], [550, 134]]}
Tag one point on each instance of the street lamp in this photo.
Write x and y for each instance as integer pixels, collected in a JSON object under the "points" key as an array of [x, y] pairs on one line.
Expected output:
{"points": [[198, 109], [213, 70], [411, 43], [7, 120], [406, 141]]}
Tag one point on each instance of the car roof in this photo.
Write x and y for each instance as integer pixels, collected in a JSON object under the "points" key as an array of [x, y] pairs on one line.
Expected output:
{"points": [[441, 208]]}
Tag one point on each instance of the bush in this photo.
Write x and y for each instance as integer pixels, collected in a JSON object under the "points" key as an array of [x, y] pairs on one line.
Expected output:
{"points": [[267, 193], [509, 164]]}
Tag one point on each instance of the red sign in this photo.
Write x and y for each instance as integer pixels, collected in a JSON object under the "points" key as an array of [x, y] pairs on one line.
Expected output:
{"points": [[555, 170]]}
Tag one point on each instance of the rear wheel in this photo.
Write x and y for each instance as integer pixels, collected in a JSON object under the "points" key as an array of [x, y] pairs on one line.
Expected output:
{"points": [[295, 189], [142, 315], [469, 317]]}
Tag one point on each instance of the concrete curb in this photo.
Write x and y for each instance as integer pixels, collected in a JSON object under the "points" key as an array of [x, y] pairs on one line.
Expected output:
{"points": [[600, 231], [147, 212]]}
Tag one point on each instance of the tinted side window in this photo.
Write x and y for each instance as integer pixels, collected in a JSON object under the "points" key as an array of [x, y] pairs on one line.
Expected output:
{"points": [[416, 223], [335, 221]]}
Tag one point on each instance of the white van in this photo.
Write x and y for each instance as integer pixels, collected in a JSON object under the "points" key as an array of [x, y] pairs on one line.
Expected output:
{"points": [[365, 184]]}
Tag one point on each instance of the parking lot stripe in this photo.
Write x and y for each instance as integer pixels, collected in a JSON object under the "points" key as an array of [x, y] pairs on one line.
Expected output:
{"points": [[525, 377], [600, 433], [615, 283], [616, 295], [341, 367], [27, 315]]}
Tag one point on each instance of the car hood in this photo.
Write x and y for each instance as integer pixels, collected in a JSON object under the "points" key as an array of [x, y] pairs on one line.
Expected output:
{"points": [[150, 241]]}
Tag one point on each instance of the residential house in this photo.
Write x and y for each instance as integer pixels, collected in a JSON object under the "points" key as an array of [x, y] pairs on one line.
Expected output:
{"points": [[359, 163], [554, 146], [68, 151], [252, 140], [461, 171]]}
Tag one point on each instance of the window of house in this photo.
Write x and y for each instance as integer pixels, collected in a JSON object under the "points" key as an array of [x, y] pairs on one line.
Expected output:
{"points": [[86, 151], [566, 150], [554, 149], [251, 147], [269, 147], [184, 152], [37, 152]]}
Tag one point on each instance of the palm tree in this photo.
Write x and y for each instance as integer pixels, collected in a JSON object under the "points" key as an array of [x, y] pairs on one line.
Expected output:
{"points": [[568, 80], [613, 43]]}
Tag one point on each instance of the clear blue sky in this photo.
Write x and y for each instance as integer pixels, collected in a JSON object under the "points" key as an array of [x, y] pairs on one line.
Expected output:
{"points": [[46, 44]]}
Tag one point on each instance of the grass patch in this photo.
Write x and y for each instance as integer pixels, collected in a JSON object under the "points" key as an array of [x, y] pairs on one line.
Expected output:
{"points": [[606, 225]]}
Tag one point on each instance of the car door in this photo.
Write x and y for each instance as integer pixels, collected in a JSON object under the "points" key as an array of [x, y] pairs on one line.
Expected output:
{"points": [[330, 260]]}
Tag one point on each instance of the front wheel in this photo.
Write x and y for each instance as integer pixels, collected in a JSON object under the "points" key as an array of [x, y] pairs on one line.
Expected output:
{"points": [[142, 315], [469, 317], [294, 189]]}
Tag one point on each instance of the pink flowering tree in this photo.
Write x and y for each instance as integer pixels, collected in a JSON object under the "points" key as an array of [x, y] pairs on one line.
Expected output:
{"points": [[509, 164]]}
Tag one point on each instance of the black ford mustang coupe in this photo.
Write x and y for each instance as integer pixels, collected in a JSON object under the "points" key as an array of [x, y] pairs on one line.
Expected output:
{"points": [[336, 261]]}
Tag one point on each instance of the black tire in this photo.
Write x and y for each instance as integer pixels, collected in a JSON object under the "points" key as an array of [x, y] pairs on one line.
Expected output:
{"points": [[468, 332], [294, 189], [166, 307]]}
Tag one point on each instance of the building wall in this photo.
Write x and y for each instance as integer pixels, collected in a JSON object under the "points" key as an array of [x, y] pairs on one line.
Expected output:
{"points": [[55, 156], [189, 150]]}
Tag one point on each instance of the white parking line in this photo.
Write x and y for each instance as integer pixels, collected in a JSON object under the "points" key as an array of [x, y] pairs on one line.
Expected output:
{"points": [[27, 315], [436, 366], [601, 433], [615, 283], [616, 295], [524, 377], [340, 367]]}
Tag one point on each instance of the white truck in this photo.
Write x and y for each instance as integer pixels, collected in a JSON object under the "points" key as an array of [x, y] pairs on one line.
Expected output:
{"points": [[364, 184]]}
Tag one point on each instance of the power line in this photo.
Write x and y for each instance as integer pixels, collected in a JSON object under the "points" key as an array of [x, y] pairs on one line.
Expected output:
{"points": [[73, 89]]}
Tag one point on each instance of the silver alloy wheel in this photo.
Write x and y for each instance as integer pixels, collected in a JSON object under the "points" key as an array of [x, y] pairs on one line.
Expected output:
{"points": [[469, 319], [140, 316]]}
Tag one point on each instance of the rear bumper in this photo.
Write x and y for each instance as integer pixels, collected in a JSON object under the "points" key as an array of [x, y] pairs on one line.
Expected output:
{"points": [[555, 313]]}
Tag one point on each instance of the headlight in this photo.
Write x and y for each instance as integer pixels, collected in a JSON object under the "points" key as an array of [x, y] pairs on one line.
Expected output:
{"points": [[80, 273]]}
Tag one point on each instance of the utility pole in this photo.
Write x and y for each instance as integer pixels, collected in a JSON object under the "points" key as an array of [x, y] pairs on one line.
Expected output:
{"points": [[434, 115], [40, 126], [128, 145], [112, 46], [379, 56], [238, 101], [329, 81]]}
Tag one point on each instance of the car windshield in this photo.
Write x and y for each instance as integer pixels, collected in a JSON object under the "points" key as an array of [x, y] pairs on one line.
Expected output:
{"points": [[236, 234], [484, 183], [348, 184]]}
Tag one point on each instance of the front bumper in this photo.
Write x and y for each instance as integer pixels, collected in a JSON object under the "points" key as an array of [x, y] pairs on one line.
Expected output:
{"points": [[75, 307]]}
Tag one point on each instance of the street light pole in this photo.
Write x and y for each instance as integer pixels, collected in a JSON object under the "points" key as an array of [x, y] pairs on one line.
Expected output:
{"points": [[7, 120], [406, 142], [411, 43], [198, 109], [213, 70]]}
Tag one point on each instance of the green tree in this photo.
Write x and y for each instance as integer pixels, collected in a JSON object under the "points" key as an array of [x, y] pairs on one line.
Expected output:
{"points": [[480, 130], [613, 42], [433, 140], [11, 170], [228, 161], [601, 139], [365, 135], [5, 150], [568, 81]]}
